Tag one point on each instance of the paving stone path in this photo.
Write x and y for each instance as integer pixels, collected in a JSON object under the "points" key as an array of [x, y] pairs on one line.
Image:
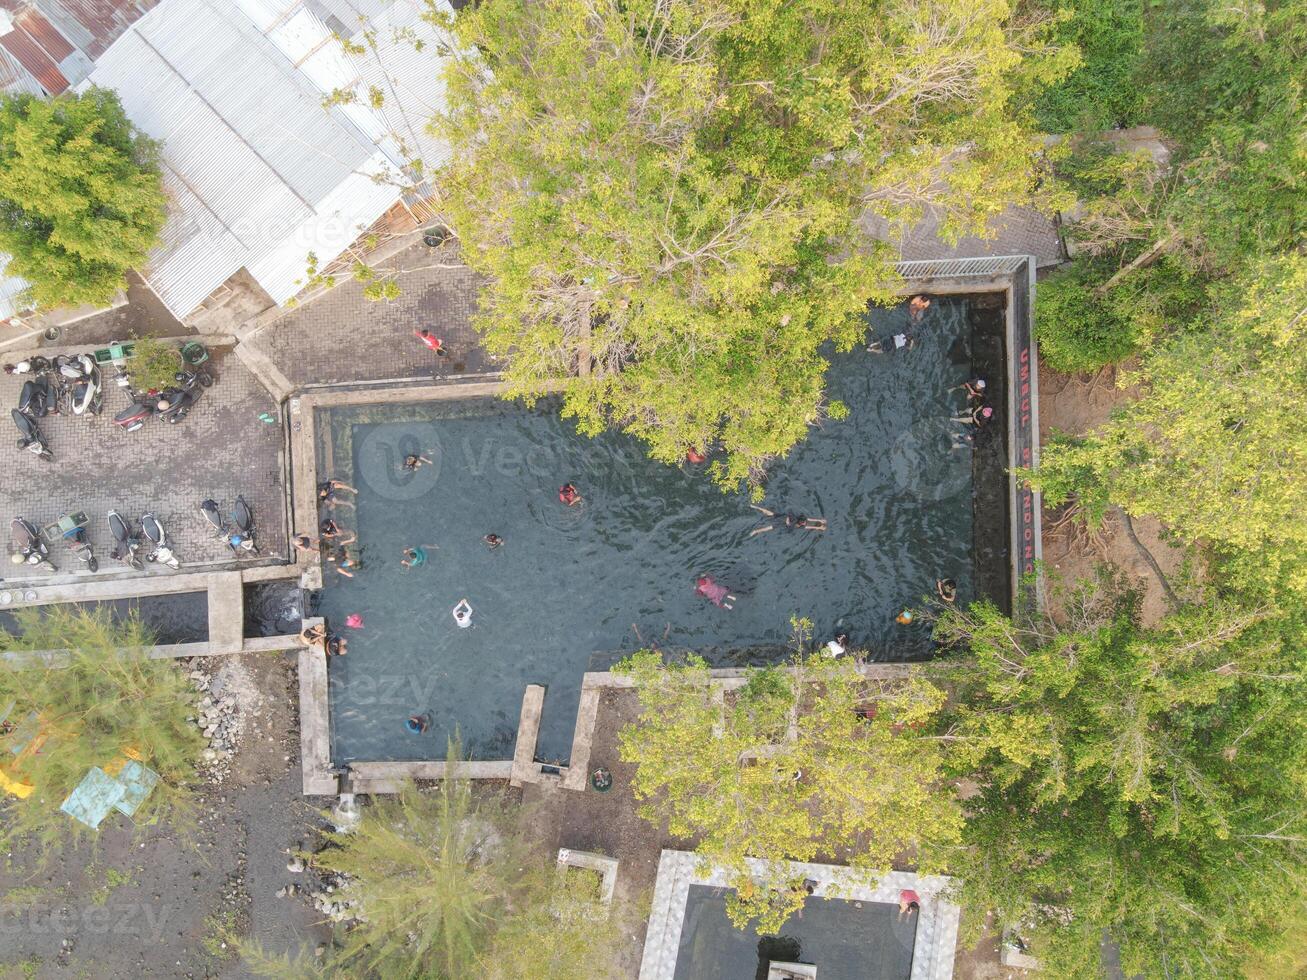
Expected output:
{"points": [[343, 337], [220, 450]]}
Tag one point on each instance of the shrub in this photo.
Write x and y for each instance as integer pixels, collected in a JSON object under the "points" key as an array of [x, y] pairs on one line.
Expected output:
{"points": [[1076, 330], [1103, 92], [153, 364]]}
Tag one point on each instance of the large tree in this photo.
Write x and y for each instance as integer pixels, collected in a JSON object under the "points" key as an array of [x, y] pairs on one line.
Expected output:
{"points": [[665, 195], [1214, 446], [807, 759], [1146, 783], [100, 699], [444, 884], [81, 196]]}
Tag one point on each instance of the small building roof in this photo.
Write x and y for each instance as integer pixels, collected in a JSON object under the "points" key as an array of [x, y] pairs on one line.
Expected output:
{"points": [[256, 168]]}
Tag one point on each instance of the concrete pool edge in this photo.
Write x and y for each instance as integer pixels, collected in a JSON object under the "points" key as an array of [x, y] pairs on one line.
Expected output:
{"points": [[937, 927], [1013, 276]]}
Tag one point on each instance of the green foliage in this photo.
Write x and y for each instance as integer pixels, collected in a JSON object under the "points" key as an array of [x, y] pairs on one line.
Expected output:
{"points": [[1076, 330], [665, 198], [1215, 447], [1103, 91], [1144, 782], [101, 699], [81, 197], [153, 364], [447, 889], [787, 767]]}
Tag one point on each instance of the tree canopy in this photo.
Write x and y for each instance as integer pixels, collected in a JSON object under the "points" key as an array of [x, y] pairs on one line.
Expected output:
{"points": [[1146, 783], [665, 198], [445, 885], [1215, 447], [807, 759], [101, 700], [81, 197]]}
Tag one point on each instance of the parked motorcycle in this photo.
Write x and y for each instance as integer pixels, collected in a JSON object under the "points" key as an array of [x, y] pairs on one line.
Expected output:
{"points": [[134, 415], [38, 398], [177, 401], [209, 510], [72, 528], [86, 393], [243, 517], [29, 548], [161, 553], [127, 544], [30, 437], [239, 534]]}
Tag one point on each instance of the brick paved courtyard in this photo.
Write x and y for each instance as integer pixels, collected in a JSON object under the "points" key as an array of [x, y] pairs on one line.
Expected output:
{"points": [[221, 450], [343, 337]]}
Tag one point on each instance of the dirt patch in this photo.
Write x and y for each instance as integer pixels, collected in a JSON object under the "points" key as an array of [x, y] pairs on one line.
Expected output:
{"points": [[161, 903], [1075, 406]]}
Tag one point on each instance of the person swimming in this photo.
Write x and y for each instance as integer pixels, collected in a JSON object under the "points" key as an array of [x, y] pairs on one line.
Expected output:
{"points": [[568, 494], [414, 557], [791, 522], [493, 541], [417, 724], [947, 589], [714, 592], [905, 616], [917, 307], [463, 614], [336, 646], [412, 461]]}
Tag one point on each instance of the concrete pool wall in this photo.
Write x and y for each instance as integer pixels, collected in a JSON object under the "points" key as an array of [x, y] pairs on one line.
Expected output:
{"points": [[1011, 276], [936, 931]]}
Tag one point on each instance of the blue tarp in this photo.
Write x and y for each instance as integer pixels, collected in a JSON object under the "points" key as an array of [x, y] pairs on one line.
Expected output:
{"points": [[99, 793], [94, 797], [138, 781]]}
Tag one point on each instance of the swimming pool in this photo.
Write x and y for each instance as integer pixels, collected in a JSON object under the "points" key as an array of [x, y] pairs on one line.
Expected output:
{"points": [[574, 588]]}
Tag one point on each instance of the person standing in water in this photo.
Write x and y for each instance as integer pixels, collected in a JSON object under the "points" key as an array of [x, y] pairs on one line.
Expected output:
{"points": [[463, 614], [917, 307], [714, 592]]}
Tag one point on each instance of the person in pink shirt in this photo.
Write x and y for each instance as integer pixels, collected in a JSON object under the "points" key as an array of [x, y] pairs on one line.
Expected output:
{"points": [[714, 592], [909, 903]]}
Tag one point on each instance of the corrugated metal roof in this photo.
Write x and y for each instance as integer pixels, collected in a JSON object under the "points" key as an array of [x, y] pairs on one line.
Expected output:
{"points": [[337, 222], [410, 83], [11, 290], [44, 33], [89, 25], [28, 52], [15, 79], [258, 172]]}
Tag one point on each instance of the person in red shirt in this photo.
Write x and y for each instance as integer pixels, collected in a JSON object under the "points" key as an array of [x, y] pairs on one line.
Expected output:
{"points": [[430, 341], [714, 592], [909, 903]]}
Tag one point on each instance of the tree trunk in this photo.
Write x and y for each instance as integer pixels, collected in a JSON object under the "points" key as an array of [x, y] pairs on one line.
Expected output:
{"points": [[1145, 258]]}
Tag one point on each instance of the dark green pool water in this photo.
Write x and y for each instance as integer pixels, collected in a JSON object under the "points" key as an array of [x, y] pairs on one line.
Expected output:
{"points": [[846, 940], [573, 587]]}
